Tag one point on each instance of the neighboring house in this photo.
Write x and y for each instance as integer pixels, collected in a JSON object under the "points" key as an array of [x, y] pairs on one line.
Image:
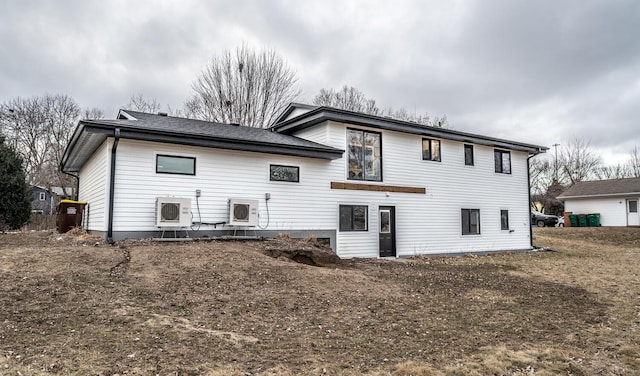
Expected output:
{"points": [[41, 200], [616, 200], [372, 185]]}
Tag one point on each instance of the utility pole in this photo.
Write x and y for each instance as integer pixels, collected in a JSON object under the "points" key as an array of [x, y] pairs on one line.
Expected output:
{"points": [[555, 164]]}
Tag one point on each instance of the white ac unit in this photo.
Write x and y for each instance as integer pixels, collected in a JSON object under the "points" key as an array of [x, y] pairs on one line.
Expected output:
{"points": [[243, 212], [173, 212]]}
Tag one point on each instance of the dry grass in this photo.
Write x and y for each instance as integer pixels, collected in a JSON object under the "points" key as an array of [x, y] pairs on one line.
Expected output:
{"points": [[72, 305]]}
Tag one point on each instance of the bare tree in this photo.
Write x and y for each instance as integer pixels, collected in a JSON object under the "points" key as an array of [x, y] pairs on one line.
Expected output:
{"points": [[348, 98], [246, 87], [577, 162], [544, 186], [93, 114], [39, 128], [617, 171], [634, 163], [351, 99], [138, 102]]}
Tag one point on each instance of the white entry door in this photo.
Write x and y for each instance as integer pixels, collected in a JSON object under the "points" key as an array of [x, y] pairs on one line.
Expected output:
{"points": [[633, 217]]}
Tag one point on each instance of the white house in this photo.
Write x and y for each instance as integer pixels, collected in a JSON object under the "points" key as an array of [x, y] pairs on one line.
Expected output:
{"points": [[373, 186], [616, 200]]}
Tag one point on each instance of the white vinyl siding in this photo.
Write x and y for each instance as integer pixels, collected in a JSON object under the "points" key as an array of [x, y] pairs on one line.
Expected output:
{"points": [[94, 185], [430, 223], [222, 174], [613, 211], [425, 223]]}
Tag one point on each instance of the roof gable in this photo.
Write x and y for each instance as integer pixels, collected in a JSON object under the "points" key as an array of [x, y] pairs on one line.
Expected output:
{"points": [[599, 188]]}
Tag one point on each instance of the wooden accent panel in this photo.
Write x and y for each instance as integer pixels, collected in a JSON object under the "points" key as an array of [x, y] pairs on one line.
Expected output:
{"points": [[377, 187]]}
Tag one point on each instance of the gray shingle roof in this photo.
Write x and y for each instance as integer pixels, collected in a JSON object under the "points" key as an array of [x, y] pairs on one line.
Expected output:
{"points": [[151, 127], [597, 188], [317, 115]]}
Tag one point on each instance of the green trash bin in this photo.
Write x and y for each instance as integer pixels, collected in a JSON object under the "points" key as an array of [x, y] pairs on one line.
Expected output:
{"points": [[582, 220], [594, 219], [573, 220]]}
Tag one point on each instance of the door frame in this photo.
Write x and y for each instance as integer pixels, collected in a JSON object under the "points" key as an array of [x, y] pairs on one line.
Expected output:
{"points": [[392, 230], [628, 213]]}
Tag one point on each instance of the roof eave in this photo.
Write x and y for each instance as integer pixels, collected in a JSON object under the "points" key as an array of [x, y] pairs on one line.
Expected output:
{"points": [[87, 129], [321, 114], [604, 195]]}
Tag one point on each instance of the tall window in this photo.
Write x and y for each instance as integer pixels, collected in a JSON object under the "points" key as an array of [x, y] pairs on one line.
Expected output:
{"points": [[470, 221], [353, 217], [502, 161], [430, 150], [468, 155], [504, 219], [43, 196], [171, 164], [365, 155]]}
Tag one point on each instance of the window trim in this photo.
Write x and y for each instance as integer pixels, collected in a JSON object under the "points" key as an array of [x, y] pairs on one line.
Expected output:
{"points": [[272, 165], [158, 155], [501, 223], [42, 196], [365, 131], [431, 140], [501, 152], [469, 225], [469, 147], [352, 207]]}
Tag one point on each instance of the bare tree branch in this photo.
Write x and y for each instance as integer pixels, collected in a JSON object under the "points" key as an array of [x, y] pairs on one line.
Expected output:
{"points": [[39, 128], [246, 87], [577, 161], [351, 99]]}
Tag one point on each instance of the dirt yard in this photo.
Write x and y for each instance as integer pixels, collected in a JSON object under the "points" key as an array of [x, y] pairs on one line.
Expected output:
{"points": [[72, 305]]}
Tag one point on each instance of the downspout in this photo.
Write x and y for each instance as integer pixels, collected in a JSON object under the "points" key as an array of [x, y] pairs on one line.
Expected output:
{"points": [[529, 198], [112, 184], [77, 195]]}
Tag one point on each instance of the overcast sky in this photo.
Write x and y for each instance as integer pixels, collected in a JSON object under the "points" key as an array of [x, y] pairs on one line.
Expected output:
{"points": [[541, 72]]}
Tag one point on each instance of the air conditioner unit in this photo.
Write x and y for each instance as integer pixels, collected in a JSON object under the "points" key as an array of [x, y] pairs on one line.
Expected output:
{"points": [[243, 212], [173, 212]]}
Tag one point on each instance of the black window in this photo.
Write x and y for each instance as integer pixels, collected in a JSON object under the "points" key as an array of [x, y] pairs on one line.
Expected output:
{"points": [[504, 219], [502, 161], [468, 155], [284, 173], [430, 149], [171, 164], [365, 155], [353, 217], [470, 221]]}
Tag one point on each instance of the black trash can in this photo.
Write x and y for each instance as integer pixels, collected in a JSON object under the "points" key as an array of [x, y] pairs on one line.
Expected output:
{"points": [[69, 215]]}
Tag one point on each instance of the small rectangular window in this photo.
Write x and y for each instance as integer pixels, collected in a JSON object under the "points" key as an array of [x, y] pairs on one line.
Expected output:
{"points": [[470, 221], [43, 196], [633, 206], [171, 164], [502, 161], [504, 219], [430, 150], [353, 218], [468, 155], [284, 173]]}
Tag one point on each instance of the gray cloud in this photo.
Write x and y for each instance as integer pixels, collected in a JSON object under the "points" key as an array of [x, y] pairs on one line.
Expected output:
{"points": [[540, 72]]}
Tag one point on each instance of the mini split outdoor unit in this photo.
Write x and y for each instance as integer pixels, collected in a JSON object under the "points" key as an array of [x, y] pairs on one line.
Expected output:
{"points": [[173, 212], [243, 212]]}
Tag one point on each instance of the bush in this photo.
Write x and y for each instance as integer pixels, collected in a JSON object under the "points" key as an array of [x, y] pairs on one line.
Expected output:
{"points": [[15, 194]]}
